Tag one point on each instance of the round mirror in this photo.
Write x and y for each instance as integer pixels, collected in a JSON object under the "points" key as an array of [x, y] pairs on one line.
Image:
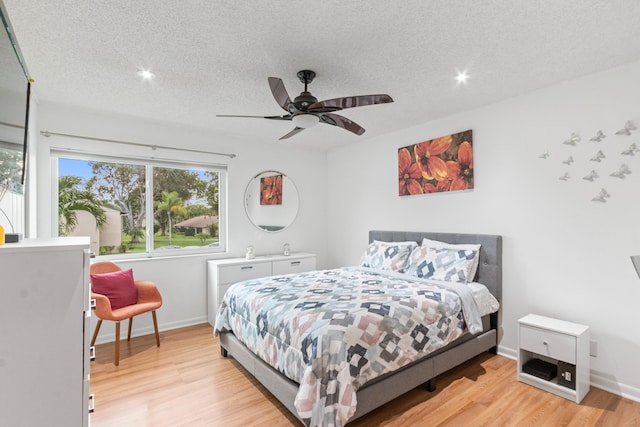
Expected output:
{"points": [[271, 201]]}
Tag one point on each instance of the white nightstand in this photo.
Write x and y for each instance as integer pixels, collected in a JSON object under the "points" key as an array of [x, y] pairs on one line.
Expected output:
{"points": [[561, 343]]}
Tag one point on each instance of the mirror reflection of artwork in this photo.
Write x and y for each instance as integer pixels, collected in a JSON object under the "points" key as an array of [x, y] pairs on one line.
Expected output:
{"points": [[271, 218], [271, 190]]}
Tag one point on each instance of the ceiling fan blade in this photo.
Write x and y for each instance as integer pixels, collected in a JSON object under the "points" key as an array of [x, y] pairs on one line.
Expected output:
{"points": [[293, 132], [342, 122], [284, 117], [337, 104], [279, 93]]}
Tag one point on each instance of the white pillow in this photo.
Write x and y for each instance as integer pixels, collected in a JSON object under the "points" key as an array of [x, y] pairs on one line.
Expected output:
{"points": [[449, 265], [391, 256], [466, 246]]}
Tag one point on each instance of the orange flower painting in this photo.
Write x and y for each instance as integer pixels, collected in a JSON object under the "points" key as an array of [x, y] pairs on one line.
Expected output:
{"points": [[437, 165], [271, 190]]}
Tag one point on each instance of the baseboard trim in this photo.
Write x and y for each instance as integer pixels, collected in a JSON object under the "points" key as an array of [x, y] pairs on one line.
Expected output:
{"points": [[148, 330], [608, 383], [507, 352]]}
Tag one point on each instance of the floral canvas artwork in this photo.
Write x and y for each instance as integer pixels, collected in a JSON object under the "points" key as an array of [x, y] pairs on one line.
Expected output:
{"points": [[271, 190], [436, 165]]}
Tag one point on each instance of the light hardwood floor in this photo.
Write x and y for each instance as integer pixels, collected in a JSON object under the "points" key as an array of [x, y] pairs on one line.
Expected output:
{"points": [[186, 382]]}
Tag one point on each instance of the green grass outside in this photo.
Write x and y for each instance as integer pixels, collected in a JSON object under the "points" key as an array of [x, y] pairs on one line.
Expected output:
{"points": [[177, 239]]}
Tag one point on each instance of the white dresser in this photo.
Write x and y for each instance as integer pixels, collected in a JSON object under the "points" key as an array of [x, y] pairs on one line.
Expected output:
{"points": [[44, 332], [563, 344], [225, 272]]}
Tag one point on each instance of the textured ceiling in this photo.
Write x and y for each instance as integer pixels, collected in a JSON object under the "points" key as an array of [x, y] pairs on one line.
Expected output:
{"points": [[214, 57]]}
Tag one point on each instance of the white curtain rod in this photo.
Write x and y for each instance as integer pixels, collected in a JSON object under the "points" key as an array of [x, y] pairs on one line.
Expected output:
{"points": [[48, 134]]}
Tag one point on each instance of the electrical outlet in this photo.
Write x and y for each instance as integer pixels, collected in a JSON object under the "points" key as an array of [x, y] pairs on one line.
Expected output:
{"points": [[593, 348]]}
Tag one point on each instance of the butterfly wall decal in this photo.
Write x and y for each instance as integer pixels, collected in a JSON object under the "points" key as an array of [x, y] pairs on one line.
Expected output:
{"points": [[591, 177], [631, 151], [622, 172], [598, 157], [626, 130], [568, 161], [599, 137], [572, 139], [601, 197], [565, 177]]}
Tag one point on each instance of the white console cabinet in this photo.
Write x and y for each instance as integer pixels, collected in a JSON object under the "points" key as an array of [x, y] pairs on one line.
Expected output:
{"points": [[44, 332], [563, 344], [225, 272]]}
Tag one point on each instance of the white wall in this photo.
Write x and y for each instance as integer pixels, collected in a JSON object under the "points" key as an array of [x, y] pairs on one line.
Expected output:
{"points": [[564, 255], [182, 280]]}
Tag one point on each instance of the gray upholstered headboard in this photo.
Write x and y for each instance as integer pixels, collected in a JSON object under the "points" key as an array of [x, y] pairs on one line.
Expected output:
{"points": [[490, 265]]}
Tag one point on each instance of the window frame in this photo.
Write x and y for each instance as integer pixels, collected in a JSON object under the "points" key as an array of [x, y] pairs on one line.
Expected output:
{"points": [[17, 216], [149, 164]]}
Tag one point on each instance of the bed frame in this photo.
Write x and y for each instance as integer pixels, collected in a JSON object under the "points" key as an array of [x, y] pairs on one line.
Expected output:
{"points": [[422, 372]]}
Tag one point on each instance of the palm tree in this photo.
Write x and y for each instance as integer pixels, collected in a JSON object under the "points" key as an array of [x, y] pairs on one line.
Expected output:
{"points": [[72, 199], [171, 204]]}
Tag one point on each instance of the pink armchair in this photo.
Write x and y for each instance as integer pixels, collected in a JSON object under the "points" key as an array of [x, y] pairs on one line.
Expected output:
{"points": [[148, 299]]}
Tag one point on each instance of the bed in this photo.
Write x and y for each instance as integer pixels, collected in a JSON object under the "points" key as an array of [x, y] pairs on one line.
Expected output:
{"points": [[380, 382]]}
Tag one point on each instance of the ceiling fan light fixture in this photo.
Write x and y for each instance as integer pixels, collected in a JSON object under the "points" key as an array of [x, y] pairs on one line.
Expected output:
{"points": [[305, 121]]}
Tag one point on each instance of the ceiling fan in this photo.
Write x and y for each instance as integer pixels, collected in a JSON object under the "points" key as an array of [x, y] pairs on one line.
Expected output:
{"points": [[306, 111]]}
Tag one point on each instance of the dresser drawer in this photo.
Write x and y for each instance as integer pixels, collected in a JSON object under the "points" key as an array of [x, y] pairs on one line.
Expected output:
{"points": [[294, 266], [236, 273], [548, 343]]}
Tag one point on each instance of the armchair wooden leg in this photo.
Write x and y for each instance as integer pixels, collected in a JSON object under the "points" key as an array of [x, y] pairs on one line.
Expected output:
{"points": [[129, 332], [117, 361], [95, 333], [155, 326]]}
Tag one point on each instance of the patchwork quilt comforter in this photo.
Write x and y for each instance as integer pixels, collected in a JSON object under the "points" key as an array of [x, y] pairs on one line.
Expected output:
{"points": [[333, 330]]}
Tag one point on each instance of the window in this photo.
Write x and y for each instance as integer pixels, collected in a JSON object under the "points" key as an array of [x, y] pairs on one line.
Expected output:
{"points": [[11, 189], [139, 207]]}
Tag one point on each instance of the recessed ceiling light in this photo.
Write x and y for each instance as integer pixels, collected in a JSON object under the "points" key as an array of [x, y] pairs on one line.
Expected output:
{"points": [[146, 74], [462, 77]]}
